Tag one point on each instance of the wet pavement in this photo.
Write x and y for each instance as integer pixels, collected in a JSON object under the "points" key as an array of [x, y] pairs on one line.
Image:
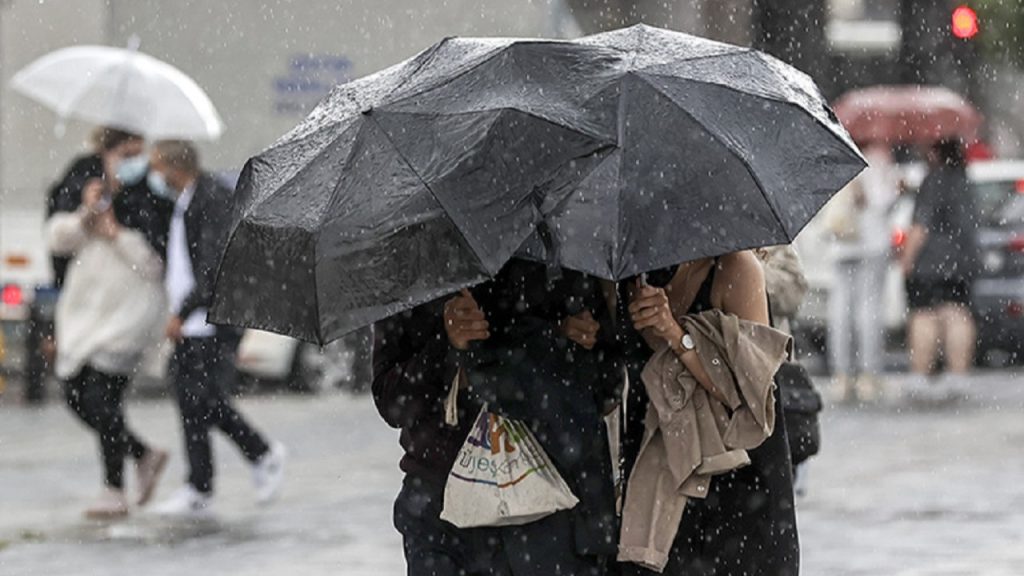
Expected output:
{"points": [[898, 490]]}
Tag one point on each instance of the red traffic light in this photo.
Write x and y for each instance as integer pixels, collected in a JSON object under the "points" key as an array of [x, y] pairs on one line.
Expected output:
{"points": [[965, 22]]}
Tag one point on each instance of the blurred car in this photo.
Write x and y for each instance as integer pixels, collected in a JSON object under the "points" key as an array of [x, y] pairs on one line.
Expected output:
{"points": [[24, 266], [265, 359], [998, 293]]}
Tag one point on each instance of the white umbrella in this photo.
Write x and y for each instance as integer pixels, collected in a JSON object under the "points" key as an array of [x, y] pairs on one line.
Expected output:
{"points": [[121, 88]]}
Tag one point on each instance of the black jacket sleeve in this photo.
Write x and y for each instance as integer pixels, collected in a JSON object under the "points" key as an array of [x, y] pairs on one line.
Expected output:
{"points": [[66, 195], [412, 371], [207, 225]]}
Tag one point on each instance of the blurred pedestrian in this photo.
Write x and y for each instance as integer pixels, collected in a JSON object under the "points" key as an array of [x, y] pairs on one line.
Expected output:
{"points": [[559, 384], [202, 356], [110, 304], [859, 220], [940, 261], [66, 196]]}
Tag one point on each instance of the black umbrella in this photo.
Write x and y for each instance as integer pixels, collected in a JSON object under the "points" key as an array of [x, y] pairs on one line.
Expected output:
{"points": [[629, 151], [405, 185], [720, 148]]}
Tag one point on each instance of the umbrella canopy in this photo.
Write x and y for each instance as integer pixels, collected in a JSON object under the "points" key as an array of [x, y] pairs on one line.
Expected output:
{"points": [[719, 148], [612, 155], [120, 88], [907, 114], [403, 186]]}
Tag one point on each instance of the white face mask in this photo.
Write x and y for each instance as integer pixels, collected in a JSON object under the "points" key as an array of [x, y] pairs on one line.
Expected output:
{"points": [[158, 185], [132, 169]]}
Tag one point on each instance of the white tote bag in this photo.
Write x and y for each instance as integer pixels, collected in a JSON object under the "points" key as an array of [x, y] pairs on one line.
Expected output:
{"points": [[502, 477]]}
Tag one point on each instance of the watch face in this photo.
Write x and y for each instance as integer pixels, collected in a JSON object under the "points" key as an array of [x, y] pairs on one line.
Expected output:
{"points": [[687, 342]]}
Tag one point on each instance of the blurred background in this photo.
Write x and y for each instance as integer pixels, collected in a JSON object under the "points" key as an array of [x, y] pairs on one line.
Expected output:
{"points": [[266, 63]]}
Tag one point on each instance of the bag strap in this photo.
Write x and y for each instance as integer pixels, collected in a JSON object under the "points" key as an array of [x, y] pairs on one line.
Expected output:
{"points": [[451, 402]]}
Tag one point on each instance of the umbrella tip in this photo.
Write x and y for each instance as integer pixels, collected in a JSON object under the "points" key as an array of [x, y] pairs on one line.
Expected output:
{"points": [[134, 42]]}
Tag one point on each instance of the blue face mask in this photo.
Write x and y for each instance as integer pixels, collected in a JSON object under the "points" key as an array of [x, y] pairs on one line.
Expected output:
{"points": [[158, 185], [131, 170]]}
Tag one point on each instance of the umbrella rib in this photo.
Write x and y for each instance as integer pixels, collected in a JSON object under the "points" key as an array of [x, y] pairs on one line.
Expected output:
{"points": [[437, 199], [620, 136], [690, 59], [429, 57], [746, 164], [65, 111], [725, 86], [448, 80]]}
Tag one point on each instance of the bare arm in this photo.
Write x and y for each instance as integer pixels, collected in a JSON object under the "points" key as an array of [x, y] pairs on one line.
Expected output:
{"points": [[740, 288], [912, 248]]}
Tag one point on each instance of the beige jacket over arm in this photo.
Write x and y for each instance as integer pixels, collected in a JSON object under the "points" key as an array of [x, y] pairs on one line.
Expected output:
{"points": [[689, 436]]}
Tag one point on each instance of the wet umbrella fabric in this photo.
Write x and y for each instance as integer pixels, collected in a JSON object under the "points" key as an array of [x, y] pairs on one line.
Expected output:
{"points": [[403, 186], [628, 151], [720, 148]]}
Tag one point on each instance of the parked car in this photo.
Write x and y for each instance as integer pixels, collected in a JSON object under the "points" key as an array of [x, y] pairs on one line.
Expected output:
{"points": [[998, 293], [268, 359]]}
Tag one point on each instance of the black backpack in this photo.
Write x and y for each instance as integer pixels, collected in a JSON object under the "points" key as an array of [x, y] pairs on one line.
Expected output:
{"points": [[801, 404]]}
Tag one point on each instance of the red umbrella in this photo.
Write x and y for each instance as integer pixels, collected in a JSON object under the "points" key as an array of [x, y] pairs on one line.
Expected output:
{"points": [[907, 114]]}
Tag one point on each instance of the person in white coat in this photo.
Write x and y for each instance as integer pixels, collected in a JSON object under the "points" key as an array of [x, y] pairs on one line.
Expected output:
{"points": [[856, 301], [110, 311]]}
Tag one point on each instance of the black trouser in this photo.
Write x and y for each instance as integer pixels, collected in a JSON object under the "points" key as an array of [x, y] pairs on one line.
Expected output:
{"points": [[198, 368], [434, 547], [97, 398]]}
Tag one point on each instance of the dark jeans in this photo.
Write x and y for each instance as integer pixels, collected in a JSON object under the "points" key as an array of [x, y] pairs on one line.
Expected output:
{"points": [[199, 368], [97, 398], [434, 547]]}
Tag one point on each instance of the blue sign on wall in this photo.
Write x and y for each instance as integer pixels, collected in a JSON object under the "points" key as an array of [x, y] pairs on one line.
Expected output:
{"points": [[310, 77]]}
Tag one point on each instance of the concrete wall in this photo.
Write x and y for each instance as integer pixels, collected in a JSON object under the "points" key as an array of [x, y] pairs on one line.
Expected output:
{"points": [[30, 154], [265, 66]]}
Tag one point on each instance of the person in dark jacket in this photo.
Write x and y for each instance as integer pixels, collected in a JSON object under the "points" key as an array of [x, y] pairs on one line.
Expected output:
{"points": [[534, 346], [940, 262], [201, 360]]}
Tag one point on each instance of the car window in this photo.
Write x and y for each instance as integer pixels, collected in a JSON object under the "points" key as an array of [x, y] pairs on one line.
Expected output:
{"points": [[999, 203]]}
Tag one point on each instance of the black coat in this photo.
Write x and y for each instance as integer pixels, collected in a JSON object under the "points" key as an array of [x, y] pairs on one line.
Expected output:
{"points": [[207, 226], [135, 207], [525, 371]]}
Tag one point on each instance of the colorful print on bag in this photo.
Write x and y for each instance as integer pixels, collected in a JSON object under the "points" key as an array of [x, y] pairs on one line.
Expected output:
{"points": [[502, 477], [497, 435]]}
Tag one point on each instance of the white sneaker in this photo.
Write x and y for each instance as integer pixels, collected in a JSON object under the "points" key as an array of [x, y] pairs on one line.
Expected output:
{"points": [[268, 473], [186, 502]]}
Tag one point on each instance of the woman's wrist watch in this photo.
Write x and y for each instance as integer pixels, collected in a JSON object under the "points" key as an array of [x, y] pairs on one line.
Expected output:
{"points": [[686, 343]]}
